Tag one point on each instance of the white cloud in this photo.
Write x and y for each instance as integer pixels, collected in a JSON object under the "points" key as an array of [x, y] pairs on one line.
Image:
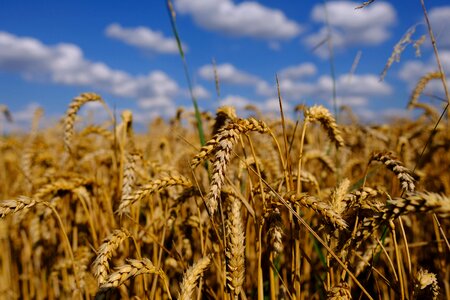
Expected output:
{"points": [[412, 70], [228, 74], [247, 18], [237, 101], [352, 101], [200, 92], [65, 64], [272, 106], [350, 27], [298, 71], [355, 85], [143, 38], [22, 119], [440, 21], [353, 88]]}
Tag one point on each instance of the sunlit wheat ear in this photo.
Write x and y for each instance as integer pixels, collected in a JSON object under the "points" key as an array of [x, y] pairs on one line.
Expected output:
{"points": [[418, 202], [404, 175], [151, 187], [71, 114], [339, 292], [8, 207], [97, 130], [324, 117], [236, 246], [420, 86], [429, 109], [338, 195], [320, 207], [226, 138], [275, 231], [425, 285], [190, 278], [105, 252], [205, 151], [135, 267], [129, 176], [224, 114], [60, 185], [357, 199]]}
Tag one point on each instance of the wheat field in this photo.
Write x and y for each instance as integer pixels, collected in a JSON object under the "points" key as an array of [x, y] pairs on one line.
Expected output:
{"points": [[268, 208]]}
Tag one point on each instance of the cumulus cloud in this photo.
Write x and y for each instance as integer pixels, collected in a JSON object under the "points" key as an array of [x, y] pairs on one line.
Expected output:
{"points": [[298, 71], [245, 19], [237, 101], [440, 20], [66, 64], [411, 71], [200, 92], [143, 38], [352, 89], [228, 74], [22, 118], [350, 27]]}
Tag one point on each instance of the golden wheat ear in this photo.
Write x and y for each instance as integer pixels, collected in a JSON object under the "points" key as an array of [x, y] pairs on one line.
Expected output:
{"points": [[71, 113], [320, 114], [190, 278]]}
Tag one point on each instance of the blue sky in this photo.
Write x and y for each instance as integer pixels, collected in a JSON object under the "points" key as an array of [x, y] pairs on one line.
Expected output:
{"points": [[51, 51]]}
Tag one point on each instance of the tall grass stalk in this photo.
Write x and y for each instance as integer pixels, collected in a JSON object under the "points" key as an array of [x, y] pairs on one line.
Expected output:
{"points": [[172, 16]]}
